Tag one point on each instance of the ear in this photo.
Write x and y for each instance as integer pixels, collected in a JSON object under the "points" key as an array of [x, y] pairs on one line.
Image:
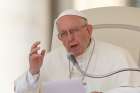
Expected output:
{"points": [[59, 38], [90, 29]]}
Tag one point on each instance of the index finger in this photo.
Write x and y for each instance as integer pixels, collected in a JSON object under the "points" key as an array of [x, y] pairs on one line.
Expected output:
{"points": [[35, 44]]}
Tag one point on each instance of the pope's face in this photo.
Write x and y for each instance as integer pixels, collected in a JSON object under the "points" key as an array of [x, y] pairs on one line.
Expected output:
{"points": [[74, 33]]}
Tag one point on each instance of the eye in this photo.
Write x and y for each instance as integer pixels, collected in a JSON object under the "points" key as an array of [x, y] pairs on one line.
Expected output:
{"points": [[63, 34], [74, 30]]}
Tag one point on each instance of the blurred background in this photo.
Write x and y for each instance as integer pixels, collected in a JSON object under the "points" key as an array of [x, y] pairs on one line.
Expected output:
{"points": [[23, 22]]}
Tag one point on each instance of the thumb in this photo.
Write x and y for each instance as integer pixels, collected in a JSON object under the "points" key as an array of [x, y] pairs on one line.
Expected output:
{"points": [[43, 52]]}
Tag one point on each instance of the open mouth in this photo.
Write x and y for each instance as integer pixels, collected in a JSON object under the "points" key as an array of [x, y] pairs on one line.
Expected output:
{"points": [[74, 46]]}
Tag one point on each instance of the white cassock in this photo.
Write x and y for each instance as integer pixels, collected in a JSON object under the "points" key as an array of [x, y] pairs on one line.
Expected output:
{"points": [[125, 90], [105, 58]]}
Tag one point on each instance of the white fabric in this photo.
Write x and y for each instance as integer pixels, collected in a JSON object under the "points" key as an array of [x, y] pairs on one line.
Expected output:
{"points": [[106, 58], [71, 12], [32, 79], [125, 90]]}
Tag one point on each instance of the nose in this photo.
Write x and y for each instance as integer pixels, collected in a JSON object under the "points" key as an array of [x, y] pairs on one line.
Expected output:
{"points": [[70, 36]]}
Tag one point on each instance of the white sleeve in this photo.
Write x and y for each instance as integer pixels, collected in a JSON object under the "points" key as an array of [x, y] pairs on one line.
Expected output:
{"points": [[32, 79], [27, 83]]}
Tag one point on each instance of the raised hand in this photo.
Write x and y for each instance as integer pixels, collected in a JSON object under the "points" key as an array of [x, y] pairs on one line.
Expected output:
{"points": [[35, 58]]}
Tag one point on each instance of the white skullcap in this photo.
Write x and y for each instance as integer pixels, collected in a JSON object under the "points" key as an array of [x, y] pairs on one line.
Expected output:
{"points": [[71, 12]]}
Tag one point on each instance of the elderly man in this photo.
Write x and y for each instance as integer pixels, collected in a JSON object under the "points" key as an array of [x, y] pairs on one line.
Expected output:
{"points": [[93, 57]]}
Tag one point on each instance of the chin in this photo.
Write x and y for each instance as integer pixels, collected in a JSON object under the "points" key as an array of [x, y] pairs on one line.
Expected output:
{"points": [[77, 53]]}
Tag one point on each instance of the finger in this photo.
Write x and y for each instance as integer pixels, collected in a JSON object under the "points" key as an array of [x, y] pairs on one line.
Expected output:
{"points": [[43, 52], [35, 50], [35, 44], [36, 56]]}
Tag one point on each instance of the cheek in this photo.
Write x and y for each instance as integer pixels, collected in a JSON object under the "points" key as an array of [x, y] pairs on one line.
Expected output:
{"points": [[65, 44], [84, 39]]}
